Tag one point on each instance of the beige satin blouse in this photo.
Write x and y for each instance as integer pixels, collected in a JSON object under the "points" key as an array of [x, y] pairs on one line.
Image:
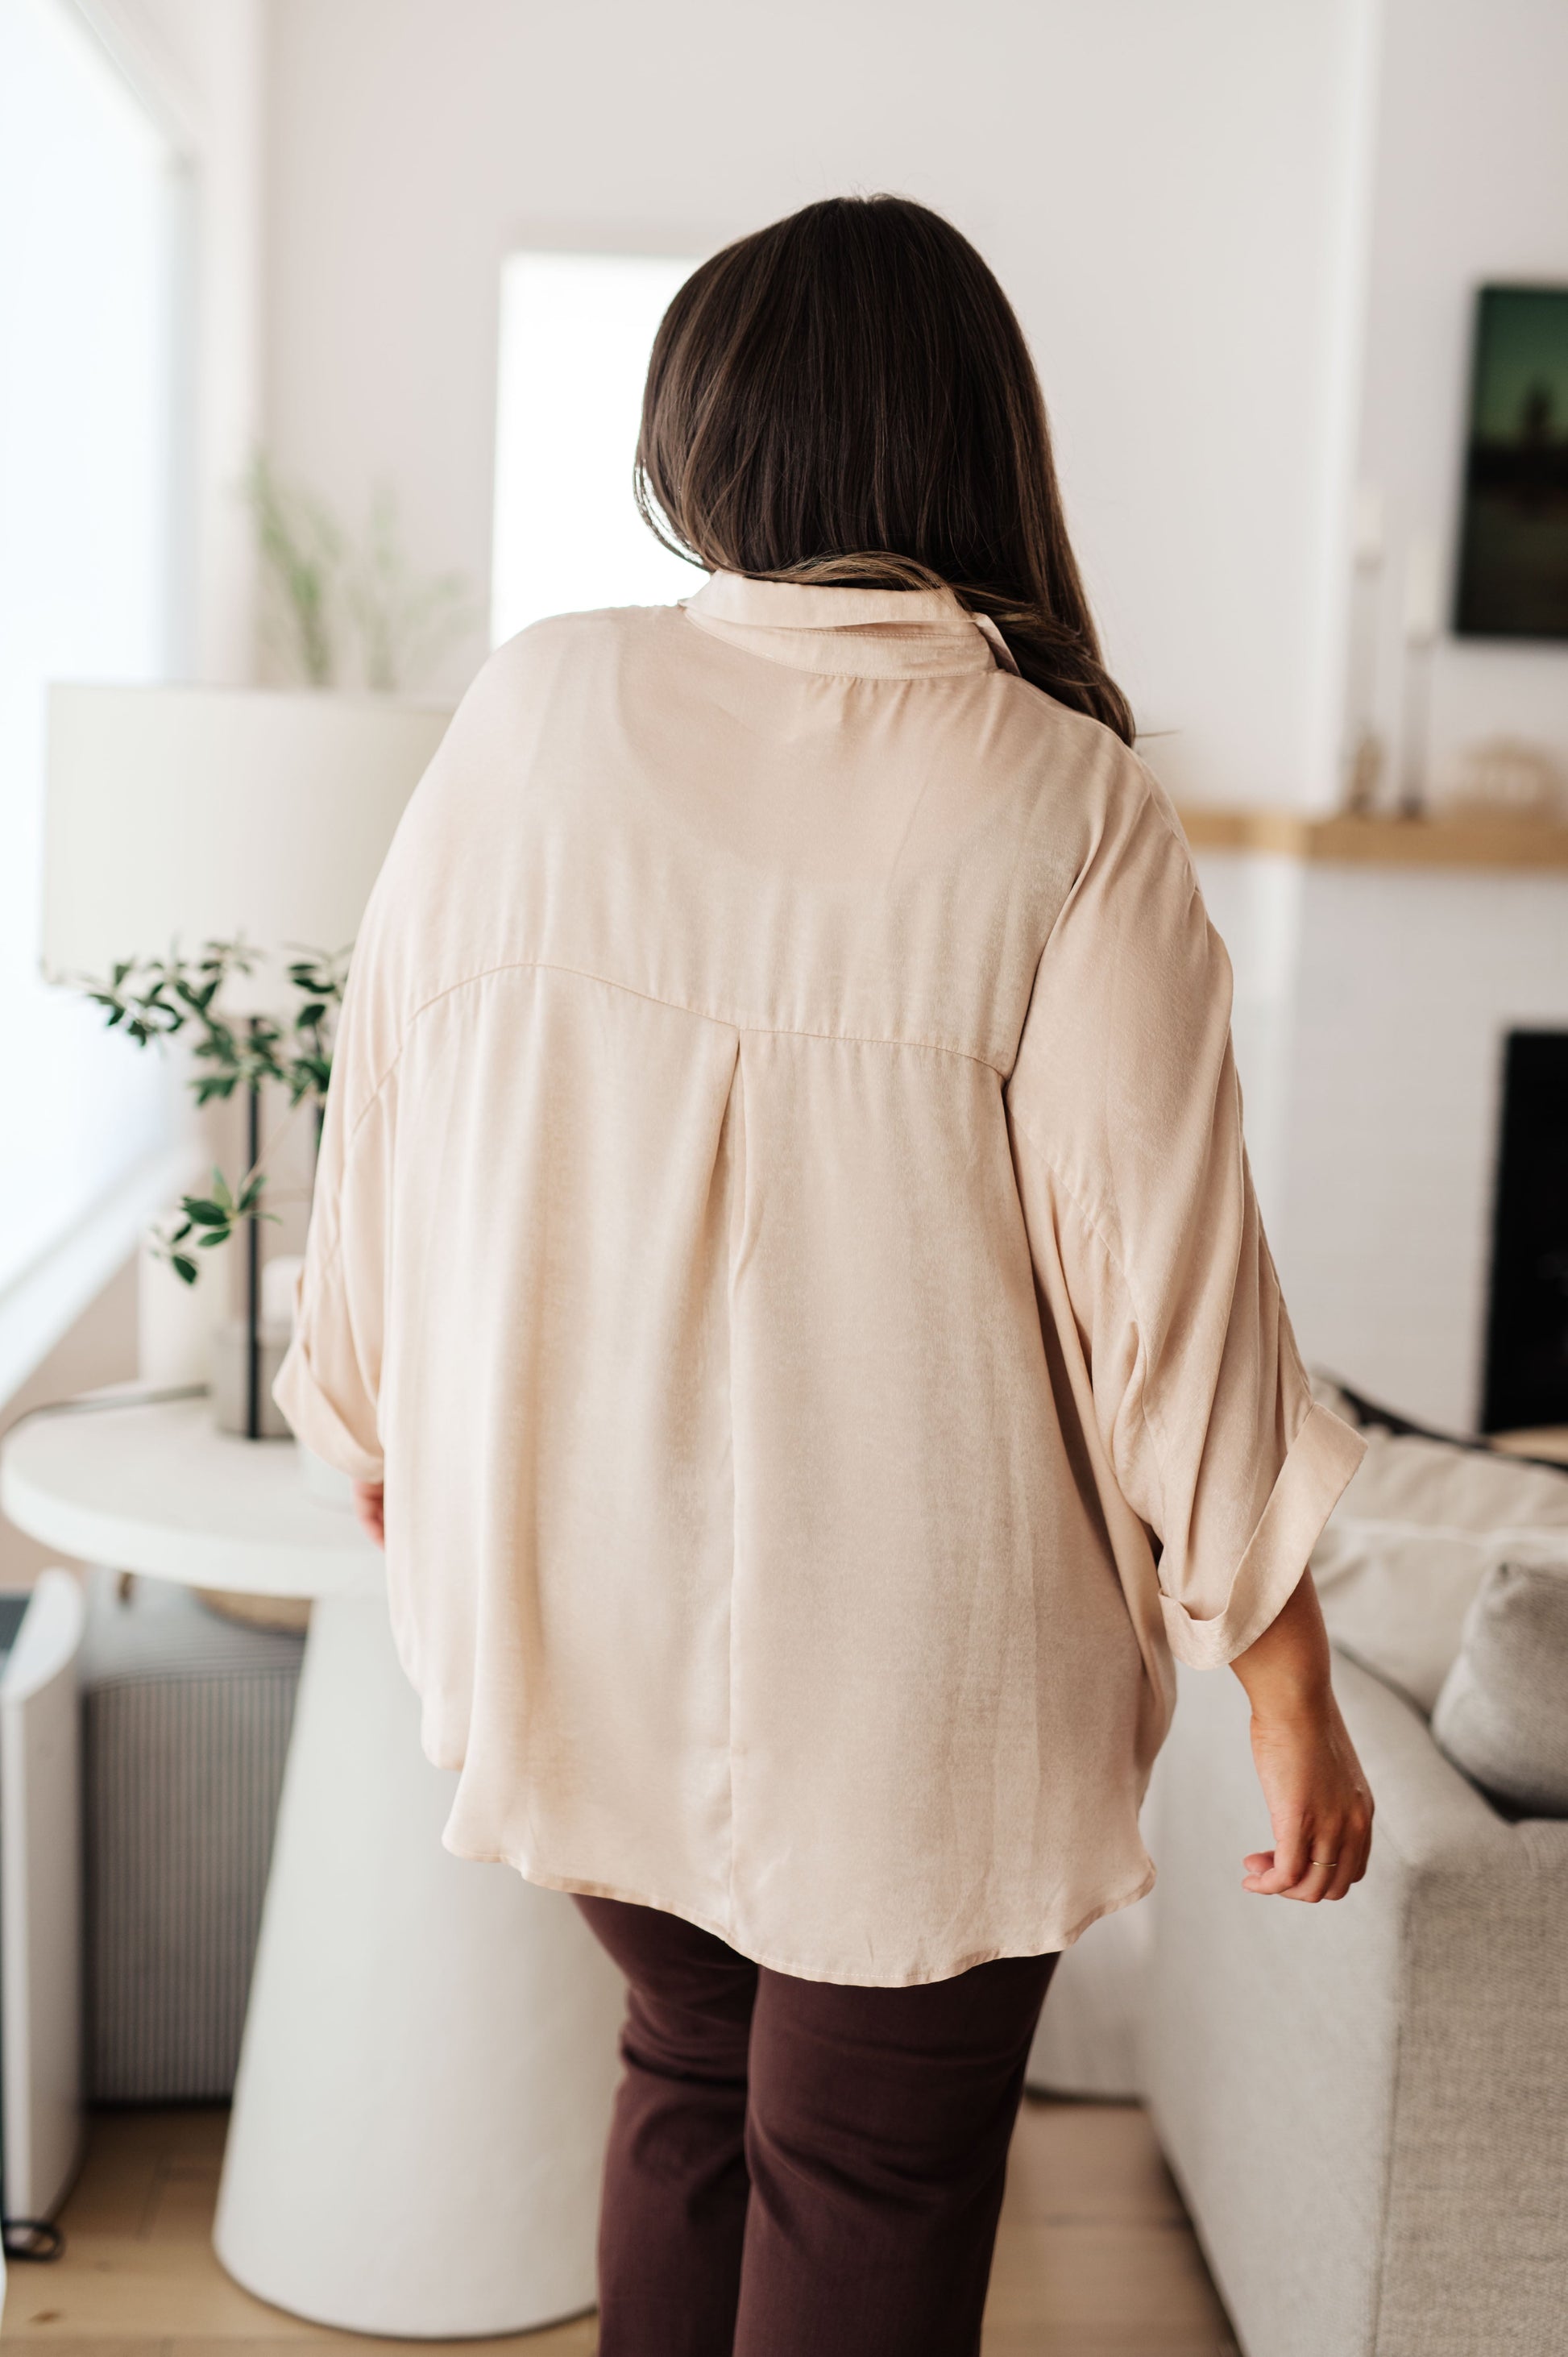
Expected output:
{"points": [[783, 1226]]}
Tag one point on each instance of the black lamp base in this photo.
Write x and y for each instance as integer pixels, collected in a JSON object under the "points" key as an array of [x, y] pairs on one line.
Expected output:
{"points": [[252, 1275]]}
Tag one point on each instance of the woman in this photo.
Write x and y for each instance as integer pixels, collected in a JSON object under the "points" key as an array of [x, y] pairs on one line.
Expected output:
{"points": [[784, 1239]]}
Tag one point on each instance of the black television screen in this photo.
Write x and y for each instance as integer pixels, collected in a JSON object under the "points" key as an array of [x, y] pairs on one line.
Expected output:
{"points": [[1526, 1331], [1514, 552]]}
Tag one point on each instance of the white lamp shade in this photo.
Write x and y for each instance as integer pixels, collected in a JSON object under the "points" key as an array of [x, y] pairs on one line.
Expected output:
{"points": [[178, 815]]}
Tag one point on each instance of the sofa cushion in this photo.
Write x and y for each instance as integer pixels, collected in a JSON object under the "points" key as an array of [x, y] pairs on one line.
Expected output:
{"points": [[1502, 1716], [1421, 1524]]}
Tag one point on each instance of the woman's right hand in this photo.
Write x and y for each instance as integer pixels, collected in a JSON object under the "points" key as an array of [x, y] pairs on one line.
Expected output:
{"points": [[370, 1510]]}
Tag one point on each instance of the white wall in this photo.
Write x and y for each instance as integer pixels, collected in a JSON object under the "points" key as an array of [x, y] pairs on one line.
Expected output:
{"points": [[1372, 1005], [100, 1347], [1168, 192], [1471, 185], [198, 65]]}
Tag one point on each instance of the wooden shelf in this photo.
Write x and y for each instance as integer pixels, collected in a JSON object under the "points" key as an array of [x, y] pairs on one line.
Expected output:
{"points": [[1548, 1440], [1380, 841]]}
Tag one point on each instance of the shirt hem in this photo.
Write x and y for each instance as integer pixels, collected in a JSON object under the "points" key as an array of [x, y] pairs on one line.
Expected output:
{"points": [[1051, 1942]]}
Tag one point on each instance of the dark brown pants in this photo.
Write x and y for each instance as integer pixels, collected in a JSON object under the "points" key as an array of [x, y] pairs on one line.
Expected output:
{"points": [[802, 2170]]}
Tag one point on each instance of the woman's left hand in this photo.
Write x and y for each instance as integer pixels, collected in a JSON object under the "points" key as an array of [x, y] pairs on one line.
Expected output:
{"points": [[1317, 1796], [1318, 1805], [370, 1510]]}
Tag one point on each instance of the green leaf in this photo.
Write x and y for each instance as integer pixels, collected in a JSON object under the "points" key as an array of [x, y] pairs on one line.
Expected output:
{"points": [[204, 1213], [184, 1268]]}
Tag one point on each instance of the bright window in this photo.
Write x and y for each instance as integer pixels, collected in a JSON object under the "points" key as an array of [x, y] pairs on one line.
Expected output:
{"points": [[87, 223], [576, 333]]}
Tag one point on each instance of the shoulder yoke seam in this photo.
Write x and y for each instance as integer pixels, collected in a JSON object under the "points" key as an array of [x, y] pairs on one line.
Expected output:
{"points": [[701, 1014]]}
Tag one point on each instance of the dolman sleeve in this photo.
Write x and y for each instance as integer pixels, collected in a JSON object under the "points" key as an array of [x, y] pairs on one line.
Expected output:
{"points": [[1126, 1119], [329, 1384]]}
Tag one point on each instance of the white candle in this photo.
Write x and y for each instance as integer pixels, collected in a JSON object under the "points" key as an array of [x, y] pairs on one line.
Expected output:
{"points": [[1366, 528], [278, 1289]]}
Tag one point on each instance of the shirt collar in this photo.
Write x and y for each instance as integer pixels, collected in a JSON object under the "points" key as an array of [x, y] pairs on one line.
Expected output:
{"points": [[856, 634]]}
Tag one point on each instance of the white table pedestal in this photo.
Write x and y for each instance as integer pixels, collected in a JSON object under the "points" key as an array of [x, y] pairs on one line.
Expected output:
{"points": [[430, 2050], [430, 2047]]}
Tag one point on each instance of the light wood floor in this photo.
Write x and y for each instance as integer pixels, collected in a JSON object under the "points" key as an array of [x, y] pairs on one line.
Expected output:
{"points": [[1095, 2257]]}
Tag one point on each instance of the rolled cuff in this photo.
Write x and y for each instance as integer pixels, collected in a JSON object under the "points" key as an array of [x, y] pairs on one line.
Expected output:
{"points": [[1318, 1464], [314, 1420]]}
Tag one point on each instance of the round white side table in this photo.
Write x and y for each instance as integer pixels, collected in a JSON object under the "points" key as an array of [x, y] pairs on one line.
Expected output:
{"points": [[429, 2054]]}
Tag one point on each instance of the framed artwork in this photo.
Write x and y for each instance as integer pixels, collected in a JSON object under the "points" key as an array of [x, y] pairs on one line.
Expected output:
{"points": [[1513, 548]]}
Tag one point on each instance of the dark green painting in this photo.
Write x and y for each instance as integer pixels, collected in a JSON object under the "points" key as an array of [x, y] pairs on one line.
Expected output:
{"points": [[1513, 557]]}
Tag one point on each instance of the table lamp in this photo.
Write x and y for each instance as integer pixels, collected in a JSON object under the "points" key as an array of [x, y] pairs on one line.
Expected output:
{"points": [[178, 815]]}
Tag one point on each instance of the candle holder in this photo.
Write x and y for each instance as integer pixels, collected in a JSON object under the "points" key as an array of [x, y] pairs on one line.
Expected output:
{"points": [[1415, 728], [1422, 621]]}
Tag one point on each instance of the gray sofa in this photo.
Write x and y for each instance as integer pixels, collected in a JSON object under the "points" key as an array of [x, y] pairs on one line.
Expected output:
{"points": [[1365, 2105]]}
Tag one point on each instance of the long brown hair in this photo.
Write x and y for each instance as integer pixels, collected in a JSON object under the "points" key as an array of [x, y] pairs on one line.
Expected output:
{"points": [[846, 396]]}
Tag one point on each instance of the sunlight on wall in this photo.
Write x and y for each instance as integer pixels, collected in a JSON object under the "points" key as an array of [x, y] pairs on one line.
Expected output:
{"points": [[87, 225], [575, 332]]}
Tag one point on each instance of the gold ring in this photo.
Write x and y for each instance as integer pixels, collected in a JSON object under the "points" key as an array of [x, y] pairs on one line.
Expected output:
{"points": [[1326, 1861]]}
